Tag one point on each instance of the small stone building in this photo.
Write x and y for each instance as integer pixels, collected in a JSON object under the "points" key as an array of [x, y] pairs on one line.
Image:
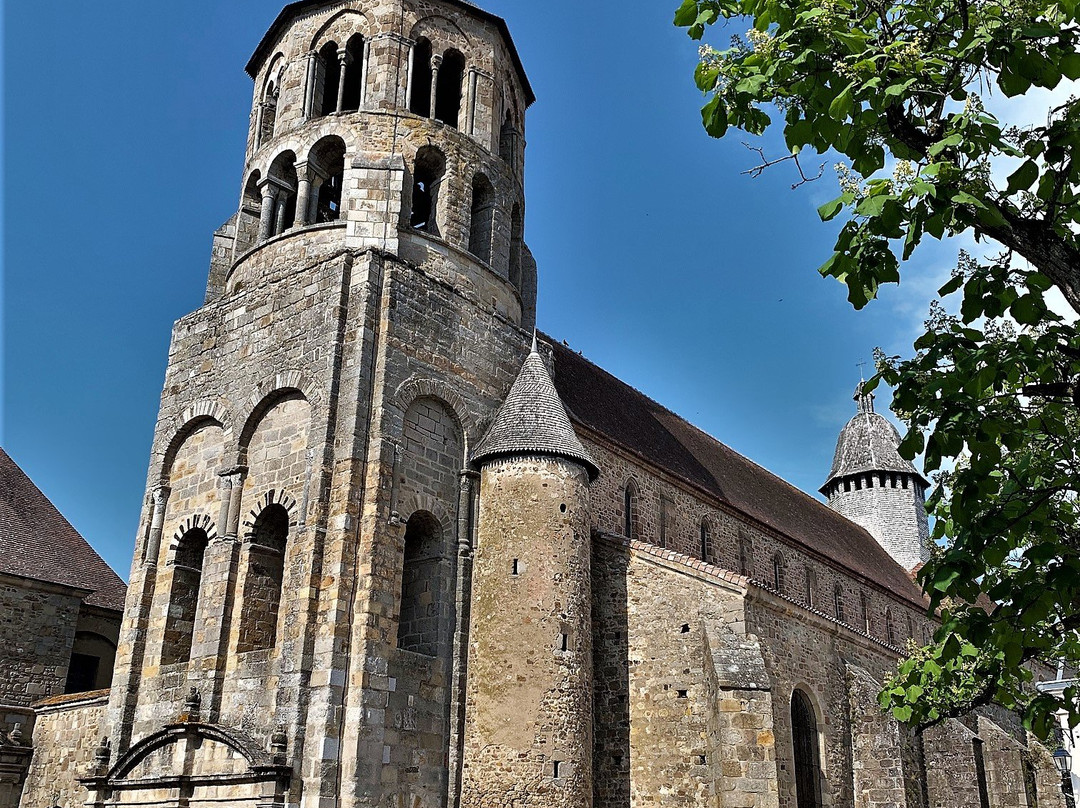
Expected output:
{"points": [[398, 551], [60, 609]]}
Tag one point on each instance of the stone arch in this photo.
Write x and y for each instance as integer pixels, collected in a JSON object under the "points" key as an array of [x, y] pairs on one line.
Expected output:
{"points": [[266, 538], [424, 602], [326, 165], [281, 175], [482, 217], [420, 387], [90, 663], [428, 174], [631, 509], [187, 555], [448, 88], [205, 412], [269, 96], [441, 31], [807, 748], [266, 395], [340, 27]]}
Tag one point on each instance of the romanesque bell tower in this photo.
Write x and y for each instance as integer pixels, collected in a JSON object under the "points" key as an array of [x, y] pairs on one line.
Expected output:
{"points": [[298, 608], [873, 486]]}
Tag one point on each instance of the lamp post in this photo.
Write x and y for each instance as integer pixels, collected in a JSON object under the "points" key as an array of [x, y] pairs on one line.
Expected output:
{"points": [[1063, 761]]}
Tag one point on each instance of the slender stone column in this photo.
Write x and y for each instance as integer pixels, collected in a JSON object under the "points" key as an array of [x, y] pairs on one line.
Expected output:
{"points": [[279, 218], [409, 76], [260, 111], [364, 73], [436, 63], [470, 102], [309, 83], [303, 193], [266, 212], [157, 523], [467, 483], [343, 61]]}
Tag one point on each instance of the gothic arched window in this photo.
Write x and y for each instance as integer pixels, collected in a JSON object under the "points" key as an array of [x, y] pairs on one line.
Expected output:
{"points": [[705, 547], [805, 746], [838, 602], [746, 555], [811, 585], [778, 573], [630, 497], [890, 630], [864, 609]]}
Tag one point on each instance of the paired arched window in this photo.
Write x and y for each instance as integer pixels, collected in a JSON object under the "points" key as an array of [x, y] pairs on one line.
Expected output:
{"points": [[340, 77], [278, 202], [630, 502], [806, 751], [482, 218], [187, 564], [267, 118], [427, 175], [262, 582], [422, 585]]}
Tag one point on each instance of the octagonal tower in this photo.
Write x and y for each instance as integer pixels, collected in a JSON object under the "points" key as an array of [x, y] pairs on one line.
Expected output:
{"points": [[298, 601]]}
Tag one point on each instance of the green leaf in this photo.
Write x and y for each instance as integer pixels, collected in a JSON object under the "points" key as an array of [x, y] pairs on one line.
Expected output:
{"points": [[714, 117], [1023, 178], [686, 13], [842, 105], [829, 210]]}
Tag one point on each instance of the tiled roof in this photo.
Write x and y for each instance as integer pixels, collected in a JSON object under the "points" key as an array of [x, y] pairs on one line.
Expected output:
{"points": [[533, 420], [868, 443], [37, 542], [602, 404]]}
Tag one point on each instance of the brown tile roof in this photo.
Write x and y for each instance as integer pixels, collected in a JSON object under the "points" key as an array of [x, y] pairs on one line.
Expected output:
{"points": [[37, 542], [603, 404]]}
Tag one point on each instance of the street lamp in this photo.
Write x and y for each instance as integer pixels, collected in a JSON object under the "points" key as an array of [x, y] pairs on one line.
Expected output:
{"points": [[1063, 761]]}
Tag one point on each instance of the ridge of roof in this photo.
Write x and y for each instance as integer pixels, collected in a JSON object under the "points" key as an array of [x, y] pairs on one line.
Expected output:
{"points": [[37, 542], [251, 68], [533, 420], [606, 405]]}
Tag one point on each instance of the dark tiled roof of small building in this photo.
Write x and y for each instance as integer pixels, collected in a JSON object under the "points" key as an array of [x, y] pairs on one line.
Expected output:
{"points": [[868, 443], [533, 420], [37, 542], [604, 405]]}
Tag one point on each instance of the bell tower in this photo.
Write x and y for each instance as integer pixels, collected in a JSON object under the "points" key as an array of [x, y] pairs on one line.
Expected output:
{"points": [[873, 486], [297, 617]]}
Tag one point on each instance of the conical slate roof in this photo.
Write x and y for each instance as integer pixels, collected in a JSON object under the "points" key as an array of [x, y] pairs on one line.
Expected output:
{"points": [[533, 420], [868, 443]]}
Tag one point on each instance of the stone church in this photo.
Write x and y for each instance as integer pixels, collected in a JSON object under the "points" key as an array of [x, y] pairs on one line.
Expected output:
{"points": [[399, 551]]}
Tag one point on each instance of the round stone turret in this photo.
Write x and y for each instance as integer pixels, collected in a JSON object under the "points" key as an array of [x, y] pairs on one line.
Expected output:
{"points": [[873, 486], [381, 124], [528, 725]]}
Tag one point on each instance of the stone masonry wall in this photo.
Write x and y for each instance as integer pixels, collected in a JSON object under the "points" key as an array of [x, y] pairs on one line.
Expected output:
{"points": [[67, 732], [36, 634], [895, 516], [733, 537]]}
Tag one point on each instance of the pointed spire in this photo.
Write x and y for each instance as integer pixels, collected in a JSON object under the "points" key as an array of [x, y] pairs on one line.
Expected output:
{"points": [[533, 420]]}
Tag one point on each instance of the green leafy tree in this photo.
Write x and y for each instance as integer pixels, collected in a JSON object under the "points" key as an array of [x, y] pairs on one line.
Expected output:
{"points": [[991, 396]]}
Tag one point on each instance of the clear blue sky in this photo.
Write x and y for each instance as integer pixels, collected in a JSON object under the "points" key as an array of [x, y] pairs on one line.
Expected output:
{"points": [[124, 128]]}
